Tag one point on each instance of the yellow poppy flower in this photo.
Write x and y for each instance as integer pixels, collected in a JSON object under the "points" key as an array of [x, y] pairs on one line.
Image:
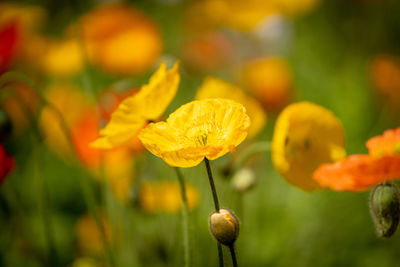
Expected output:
{"points": [[305, 136], [135, 111], [213, 87], [202, 128]]}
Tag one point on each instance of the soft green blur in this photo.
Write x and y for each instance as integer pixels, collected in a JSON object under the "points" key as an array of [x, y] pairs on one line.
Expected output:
{"points": [[329, 51]]}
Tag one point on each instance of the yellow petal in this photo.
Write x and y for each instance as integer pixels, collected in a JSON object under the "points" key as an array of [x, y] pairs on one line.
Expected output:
{"points": [[134, 112], [203, 128], [305, 136], [158, 94], [216, 88]]}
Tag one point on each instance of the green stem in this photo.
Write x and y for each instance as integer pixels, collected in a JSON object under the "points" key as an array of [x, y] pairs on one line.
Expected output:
{"points": [[212, 185], [185, 218], [216, 204], [220, 255], [45, 211], [250, 151], [233, 254]]}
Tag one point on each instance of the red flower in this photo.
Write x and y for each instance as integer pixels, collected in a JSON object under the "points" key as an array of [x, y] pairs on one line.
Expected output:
{"points": [[6, 163], [8, 44]]}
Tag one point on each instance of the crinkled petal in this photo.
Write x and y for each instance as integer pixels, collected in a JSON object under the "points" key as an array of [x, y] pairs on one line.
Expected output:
{"points": [[358, 172], [173, 147], [216, 122]]}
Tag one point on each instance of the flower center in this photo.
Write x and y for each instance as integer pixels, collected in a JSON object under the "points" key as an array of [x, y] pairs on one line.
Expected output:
{"points": [[202, 139]]}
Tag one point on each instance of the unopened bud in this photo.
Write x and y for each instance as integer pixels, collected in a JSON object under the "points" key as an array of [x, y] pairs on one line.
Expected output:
{"points": [[243, 180], [224, 226], [385, 208]]}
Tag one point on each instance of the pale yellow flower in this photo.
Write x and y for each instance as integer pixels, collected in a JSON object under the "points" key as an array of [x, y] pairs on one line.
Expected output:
{"points": [[135, 111], [216, 88], [305, 136], [203, 128]]}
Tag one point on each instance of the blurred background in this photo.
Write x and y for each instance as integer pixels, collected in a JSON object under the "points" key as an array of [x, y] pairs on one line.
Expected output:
{"points": [[65, 204]]}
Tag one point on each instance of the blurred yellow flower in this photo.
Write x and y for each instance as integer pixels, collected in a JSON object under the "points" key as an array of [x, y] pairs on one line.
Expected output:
{"points": [[135, 111], [87, 262], [165, 197], [207, 52], [62, 57], [121, 39], [216, 88], [120, 173], [305, 136], [203, 128], [270, 80], [245, 15], [90, 240], [29, 17]]}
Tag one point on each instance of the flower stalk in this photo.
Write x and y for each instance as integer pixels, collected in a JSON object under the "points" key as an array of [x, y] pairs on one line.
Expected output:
{"points": [[185, 218]]}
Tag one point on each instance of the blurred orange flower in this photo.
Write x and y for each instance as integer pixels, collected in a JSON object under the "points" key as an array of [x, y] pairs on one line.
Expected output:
{"points": [[216, 88], [385, 76], [207, 52], [82, 121], [121, 39], [245, 15], [270, 80], [135, 111], [165, 197], [305, 136], [359, 172], [203, 128]]}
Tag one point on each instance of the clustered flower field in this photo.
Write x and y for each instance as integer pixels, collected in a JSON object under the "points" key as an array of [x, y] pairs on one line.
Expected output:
{"points": [[199, 133]]}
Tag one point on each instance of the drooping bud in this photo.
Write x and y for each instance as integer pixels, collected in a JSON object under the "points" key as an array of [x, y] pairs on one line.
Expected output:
{"points": [[385, 208], [224, 226], [243, 180]]}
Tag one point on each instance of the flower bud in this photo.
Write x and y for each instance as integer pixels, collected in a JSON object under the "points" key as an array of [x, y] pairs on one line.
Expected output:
{"points": [[224, 226], [243, 180], [385, 208]]}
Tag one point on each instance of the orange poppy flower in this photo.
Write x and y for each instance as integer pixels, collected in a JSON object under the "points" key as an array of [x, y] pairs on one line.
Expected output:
{"points": [[359, 172]]}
